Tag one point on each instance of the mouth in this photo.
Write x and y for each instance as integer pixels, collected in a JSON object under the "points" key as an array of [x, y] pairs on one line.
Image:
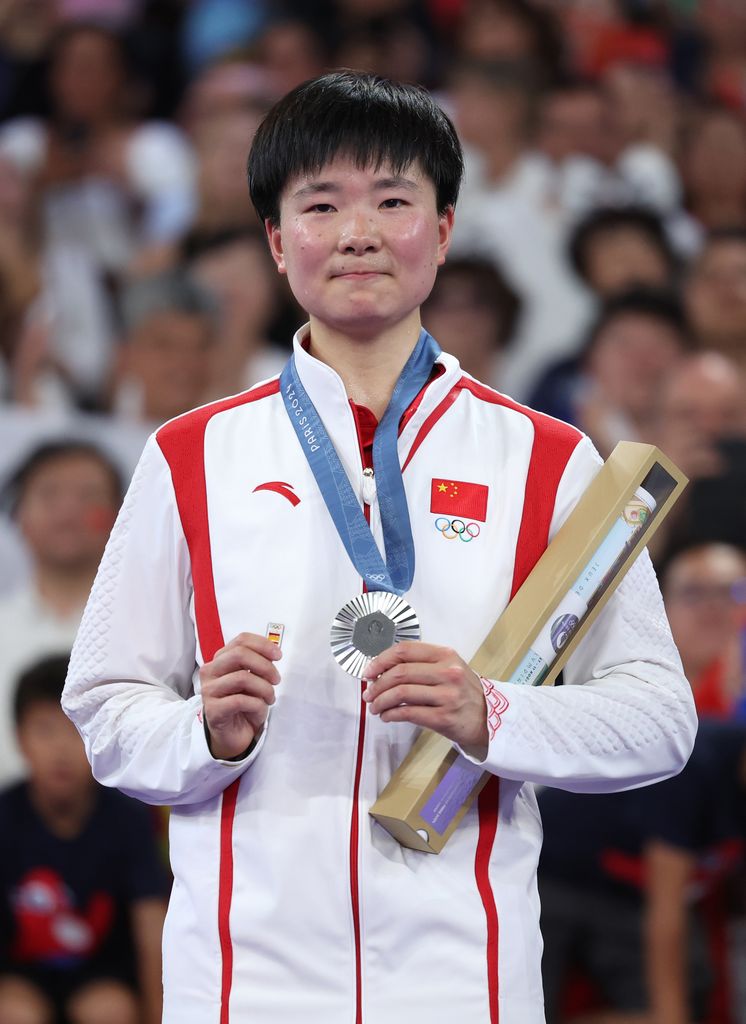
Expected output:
{"points": [[358, 275]]}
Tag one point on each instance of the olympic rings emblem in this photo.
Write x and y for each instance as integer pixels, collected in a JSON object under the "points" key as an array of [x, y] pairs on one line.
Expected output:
{"points": [[453, 528]]}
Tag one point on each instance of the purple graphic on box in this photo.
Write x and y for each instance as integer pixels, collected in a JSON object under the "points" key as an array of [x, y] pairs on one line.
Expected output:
{"points": [[562, 630], [450, 793]]}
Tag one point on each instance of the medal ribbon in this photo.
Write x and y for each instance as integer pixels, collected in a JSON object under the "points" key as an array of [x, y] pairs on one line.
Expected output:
{"points": [[397, 572]]}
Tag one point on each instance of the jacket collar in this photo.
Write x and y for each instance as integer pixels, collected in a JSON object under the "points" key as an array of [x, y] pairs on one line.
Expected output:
{"points": [[327, 392]]}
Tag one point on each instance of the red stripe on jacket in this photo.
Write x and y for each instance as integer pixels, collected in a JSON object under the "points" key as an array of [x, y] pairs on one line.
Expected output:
{"points": [[182, 442]]}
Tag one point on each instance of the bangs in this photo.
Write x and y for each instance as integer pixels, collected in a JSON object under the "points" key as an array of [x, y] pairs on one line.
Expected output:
{"points": [[371, 121]]}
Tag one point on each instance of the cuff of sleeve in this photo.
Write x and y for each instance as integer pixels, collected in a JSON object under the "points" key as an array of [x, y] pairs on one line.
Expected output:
{"points": [[496, 704], [237, 764]]}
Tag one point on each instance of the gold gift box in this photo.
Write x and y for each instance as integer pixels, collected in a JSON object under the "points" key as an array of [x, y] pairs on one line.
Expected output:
{"points": [[434, 786]]}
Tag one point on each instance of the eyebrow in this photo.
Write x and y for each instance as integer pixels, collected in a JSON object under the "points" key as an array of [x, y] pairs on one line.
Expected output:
{"points": [[315, 187]]}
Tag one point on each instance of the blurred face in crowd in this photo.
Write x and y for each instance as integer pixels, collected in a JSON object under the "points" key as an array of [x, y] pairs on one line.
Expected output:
{"points": [[222, 144], [716, 186], [630, 359], [492, 31], [484, 112], [290, 53], [241, 277], [622, 258], [706, 392], [703, 591], [54, 753], [716, 295], [170, 356], [573, 124], [66, 511], [87, 77], [465, 323]]}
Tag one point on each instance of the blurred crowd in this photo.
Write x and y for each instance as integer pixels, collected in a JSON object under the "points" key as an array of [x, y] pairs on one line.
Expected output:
{"points": [[598, 273]]}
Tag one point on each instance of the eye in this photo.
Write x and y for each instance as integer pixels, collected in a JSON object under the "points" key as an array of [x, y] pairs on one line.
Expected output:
{"points": [[321, 208], [393, 204]]}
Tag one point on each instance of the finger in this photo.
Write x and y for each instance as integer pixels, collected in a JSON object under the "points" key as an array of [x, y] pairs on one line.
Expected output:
{"points": [[416, 714], [408, 650], [242, 681], [410, 694], [241, 658], [223, 714], [423, 673], [254, 642]]}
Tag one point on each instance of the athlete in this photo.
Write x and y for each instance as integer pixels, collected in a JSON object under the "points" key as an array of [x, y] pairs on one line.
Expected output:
{"points": [[203, 675]]}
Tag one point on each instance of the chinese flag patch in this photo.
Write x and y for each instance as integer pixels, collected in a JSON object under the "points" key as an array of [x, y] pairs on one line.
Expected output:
{"points": [[459, 498]]}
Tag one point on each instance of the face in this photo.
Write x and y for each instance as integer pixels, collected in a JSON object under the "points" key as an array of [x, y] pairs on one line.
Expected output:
{"points": [[360, 247], [67, 511], [716, 293], [702, 602], [723, 179], [466, 325], [87, 77], [241, 277], [706, 394], [573, 123], [622, 258], [54, 752], [170, 356], [631, 359]]}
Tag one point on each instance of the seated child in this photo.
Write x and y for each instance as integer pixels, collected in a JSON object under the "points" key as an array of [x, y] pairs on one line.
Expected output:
{"points": [[82, 891]]}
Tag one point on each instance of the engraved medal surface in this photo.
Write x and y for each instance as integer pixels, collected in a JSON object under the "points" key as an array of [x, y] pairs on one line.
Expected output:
{"points": [[369, 624]]}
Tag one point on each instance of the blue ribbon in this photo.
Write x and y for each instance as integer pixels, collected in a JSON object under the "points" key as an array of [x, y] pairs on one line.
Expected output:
{"points": [[397, 572]]}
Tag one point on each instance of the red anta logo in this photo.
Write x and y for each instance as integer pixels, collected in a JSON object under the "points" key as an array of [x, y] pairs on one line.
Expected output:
{"points": [[286, 490], [49, 928]]}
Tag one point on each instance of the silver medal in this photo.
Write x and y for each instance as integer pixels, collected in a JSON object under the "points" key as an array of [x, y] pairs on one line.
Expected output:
{"points": [[369, 624]]}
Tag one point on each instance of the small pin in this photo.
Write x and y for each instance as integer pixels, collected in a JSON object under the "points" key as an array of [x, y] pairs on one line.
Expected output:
{"points": [[275, 632]]}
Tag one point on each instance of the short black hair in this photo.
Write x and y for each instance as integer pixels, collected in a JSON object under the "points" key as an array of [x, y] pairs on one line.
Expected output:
{"points": [[55, 451], [40, 683], [370, 119], [660, 304], [607, 220]]}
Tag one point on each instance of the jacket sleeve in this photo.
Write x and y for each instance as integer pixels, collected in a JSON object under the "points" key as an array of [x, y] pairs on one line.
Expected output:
{"points": [[130, 687], [625, 716]]}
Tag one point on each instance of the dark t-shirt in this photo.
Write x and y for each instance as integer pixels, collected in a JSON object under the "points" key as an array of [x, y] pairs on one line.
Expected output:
{"points": [[598, 840], [64, 903]]}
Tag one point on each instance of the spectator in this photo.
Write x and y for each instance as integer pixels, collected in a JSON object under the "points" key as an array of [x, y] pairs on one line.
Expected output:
{"points": [[619, 874], [511, 30], [166, 362], [704, 591], [617, 248], [701, 425], [613, 389], [95, 163], [472, 311], [506, 214], [702, 402], [235, 267], [715, 189], [82, 892], [716, 294], [65, 498]]}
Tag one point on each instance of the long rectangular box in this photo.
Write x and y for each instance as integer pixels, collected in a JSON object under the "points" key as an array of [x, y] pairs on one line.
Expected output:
{"points": [[530, 643]]}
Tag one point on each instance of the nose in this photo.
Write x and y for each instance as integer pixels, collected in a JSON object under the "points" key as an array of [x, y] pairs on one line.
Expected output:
{"points": [[359, 235]]}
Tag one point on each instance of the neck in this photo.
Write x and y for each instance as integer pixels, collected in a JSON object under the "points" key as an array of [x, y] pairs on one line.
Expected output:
{"points": [[64, 590], [369, 365], [64, 816]]}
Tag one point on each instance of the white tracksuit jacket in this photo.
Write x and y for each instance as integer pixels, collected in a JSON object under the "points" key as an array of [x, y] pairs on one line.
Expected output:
{"points": [[290, 904]]}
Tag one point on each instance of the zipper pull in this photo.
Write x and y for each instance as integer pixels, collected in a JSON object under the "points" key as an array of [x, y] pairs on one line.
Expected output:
{"points": [[369, 486]]}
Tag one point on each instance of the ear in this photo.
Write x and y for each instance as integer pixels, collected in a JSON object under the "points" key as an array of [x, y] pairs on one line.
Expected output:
{"points": [[274, 237], [445, 231]]}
